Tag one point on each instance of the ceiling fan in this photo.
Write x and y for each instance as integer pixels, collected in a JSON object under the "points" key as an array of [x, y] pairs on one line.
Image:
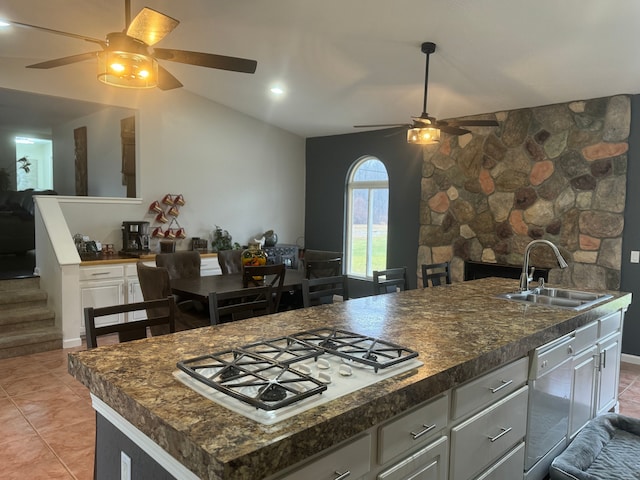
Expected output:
{"points": [[426, 129], [127, 58]]}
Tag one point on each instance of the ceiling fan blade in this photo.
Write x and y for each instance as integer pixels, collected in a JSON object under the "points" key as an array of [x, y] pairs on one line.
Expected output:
{"points": [[452, 130], [59, 32], [383, 125], [166, 81], [473, 123], [59, 62], [209, 60], [151, 26]]}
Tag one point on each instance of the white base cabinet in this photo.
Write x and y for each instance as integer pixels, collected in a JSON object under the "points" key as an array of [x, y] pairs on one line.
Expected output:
{"points": [[100, 287], [117, 283]]}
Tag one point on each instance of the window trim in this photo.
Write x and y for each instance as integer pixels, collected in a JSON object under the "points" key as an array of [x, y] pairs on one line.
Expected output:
{"points": [[361, 184]]}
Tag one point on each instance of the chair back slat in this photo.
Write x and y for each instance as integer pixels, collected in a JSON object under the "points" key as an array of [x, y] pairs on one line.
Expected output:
{"points": [[436, 273], [389, 280], [271, 275], [164, 314], [316, 291], [323, 268], [238, 305]]}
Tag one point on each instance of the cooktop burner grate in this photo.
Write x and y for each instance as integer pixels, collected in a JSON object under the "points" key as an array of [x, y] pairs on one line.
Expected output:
{"points": [[252, 378], [358, 348], [278, 372], [285, 350]]}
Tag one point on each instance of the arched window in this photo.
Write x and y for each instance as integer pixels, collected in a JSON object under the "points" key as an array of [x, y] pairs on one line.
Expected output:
{"points": [[367, 218]]}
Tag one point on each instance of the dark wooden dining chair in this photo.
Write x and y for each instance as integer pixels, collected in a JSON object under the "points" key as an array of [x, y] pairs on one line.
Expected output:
{"points": [[155, 284], [318, 291], [240, 304], [272, 275], [323, 268], [436, 273], [389, 280], [160, 313], [230, 261]]}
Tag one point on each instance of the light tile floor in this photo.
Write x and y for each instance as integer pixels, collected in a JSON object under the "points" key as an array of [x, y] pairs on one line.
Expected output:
{"points": [[47, 425]]}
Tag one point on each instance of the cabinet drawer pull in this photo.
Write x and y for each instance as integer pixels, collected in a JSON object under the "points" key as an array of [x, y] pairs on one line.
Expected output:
{"points": [[505, 384], [501, 434], [427, 429], [341, 476], [100, 273]]}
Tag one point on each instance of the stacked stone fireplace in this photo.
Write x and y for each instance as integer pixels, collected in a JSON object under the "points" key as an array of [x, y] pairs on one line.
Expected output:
{"points": [[556, 172]]}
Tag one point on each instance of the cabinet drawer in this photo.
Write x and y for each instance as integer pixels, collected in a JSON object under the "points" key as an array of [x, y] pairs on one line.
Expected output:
{"points": [[489, 388], [353, 457], [481, 440], [551, 355], [428, 463], [101, 273], [609, 324], [509, 467], [412, 429], [586, 337]]}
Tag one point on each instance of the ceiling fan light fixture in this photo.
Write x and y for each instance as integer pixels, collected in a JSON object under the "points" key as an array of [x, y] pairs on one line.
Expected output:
{"points": [[423, 136], [129, 70]]}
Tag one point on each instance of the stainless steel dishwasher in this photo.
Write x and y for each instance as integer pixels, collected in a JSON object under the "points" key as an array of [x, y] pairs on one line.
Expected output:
{"points": [[550, 378]]}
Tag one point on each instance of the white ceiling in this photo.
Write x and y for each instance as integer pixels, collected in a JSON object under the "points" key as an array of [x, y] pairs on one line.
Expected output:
{"points": [[347, 62]]}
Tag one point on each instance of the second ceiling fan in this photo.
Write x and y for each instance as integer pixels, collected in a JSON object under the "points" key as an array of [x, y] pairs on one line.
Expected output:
{"points": [[426, 129]]}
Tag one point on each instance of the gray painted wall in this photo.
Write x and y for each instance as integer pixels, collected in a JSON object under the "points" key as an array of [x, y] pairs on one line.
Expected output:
{"points": [[630, 272], [328, 160]]}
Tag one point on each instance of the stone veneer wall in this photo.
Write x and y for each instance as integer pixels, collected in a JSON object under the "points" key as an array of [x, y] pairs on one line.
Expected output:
{"points": [[556, 172]]}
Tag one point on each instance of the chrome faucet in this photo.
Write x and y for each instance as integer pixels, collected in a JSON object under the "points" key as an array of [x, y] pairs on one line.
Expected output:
{"points": [[526, 276]]}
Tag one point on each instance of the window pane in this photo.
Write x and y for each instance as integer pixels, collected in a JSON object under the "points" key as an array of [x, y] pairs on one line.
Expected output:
{"points": [[370, 170], [358, 230], [379, 214]]}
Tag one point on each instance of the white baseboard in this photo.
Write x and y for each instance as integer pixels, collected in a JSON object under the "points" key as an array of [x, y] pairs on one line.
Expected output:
{"points": [[76, 342], [627, 358]]}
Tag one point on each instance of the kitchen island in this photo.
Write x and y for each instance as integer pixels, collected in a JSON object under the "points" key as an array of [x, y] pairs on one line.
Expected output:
{"points": [[460, 331]]}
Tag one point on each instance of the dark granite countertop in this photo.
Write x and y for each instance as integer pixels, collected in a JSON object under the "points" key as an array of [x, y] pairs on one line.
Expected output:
{"points": [[459, 330]]}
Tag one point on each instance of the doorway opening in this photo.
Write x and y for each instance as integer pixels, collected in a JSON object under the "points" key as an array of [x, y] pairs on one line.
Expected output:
{"points": [[34, 169]]}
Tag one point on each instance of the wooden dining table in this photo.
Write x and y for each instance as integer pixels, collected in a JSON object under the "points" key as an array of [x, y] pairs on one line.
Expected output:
{"points": [[198, 288]]}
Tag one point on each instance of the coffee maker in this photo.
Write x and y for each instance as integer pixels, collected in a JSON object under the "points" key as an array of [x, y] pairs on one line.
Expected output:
{"points": [[135, 238]]}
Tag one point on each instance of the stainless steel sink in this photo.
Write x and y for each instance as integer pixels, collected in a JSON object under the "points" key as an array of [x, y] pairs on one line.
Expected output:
{"points": [[557, 297]]}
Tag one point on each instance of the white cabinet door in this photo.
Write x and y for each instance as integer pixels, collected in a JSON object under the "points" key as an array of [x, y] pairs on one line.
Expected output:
{"points": [[583, 390], [609, 372], [102, 294], [134, 295]]}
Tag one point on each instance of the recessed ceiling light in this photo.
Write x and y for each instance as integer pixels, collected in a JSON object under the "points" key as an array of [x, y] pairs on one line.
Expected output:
{"points": [[4, 24], [277, 91]]}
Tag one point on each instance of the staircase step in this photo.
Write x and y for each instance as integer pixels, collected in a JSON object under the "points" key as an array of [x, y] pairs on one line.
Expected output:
{"points": [[26, 324], [31, 341], [19, 283], [9, 298], [25, 316]]}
